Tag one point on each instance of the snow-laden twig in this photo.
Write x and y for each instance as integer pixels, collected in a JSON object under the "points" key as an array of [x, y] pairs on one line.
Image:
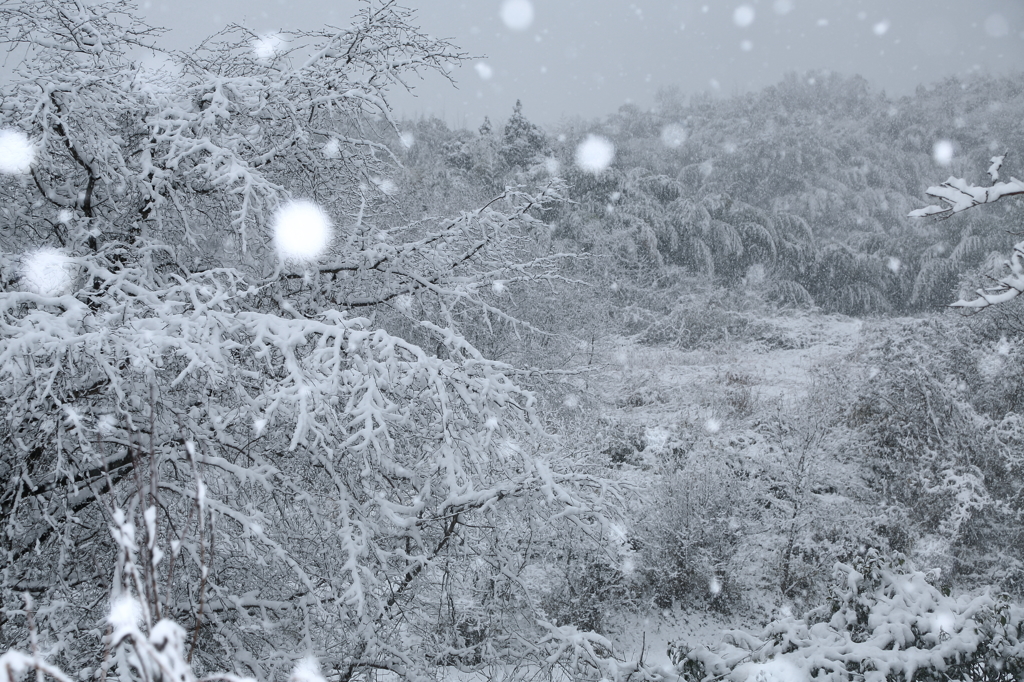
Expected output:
{"points": [[958, 195]]}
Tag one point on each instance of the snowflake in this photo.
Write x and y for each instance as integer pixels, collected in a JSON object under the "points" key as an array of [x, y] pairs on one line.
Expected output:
{"points": [[783, 6], [673, 135], [125, 613], [594, 154], [484, 70], [403, 302], [47, 272], [942, 152], [996, 25], [332, 150], [743, 16], [307, 670], [385, 185], [517, 14], [266, 46], [16, 152], [302, 231]]}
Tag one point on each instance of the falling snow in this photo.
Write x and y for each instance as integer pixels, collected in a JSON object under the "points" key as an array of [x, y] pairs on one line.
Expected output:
{"points": [[942, 152], [125, 613], [47, 272], [16, 152], [267, 46], [517, 14], [720, 337], [673, 135], [106, 424], [307, 670], [332, 150], [302, 231], [996, 26], [743, 16], [483, 70], [782, 7], [594, 154], [404, 302], [385, 185]]}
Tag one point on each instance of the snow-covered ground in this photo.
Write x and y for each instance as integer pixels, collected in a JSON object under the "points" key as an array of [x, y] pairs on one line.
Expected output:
{"points": [[656, 385]]}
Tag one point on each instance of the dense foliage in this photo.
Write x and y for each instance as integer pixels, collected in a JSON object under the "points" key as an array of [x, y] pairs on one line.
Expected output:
{"points": [[883, 622], [803, 188]]}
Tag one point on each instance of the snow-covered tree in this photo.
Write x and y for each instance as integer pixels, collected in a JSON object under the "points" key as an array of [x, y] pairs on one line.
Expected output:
{"points": [[522, 142], [957, 195], [197, 278]]}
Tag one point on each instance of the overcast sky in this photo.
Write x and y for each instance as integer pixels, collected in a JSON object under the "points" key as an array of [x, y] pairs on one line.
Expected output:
{"points": [[588, 57]]}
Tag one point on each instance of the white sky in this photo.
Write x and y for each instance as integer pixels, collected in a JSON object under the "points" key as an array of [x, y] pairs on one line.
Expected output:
{"points": [[588, 57]]}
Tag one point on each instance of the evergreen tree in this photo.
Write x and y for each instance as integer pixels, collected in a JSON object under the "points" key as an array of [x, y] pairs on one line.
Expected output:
{"points": [[522, 142]]}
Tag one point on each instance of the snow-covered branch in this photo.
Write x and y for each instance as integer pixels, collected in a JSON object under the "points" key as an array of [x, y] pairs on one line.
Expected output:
{"points": [[958, 195]]}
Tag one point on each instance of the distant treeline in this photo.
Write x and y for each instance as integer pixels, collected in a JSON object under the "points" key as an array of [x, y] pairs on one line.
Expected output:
{"points": [[803, 187]]}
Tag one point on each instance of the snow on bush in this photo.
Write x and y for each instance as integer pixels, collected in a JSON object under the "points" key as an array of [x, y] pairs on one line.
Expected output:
{"points": [[884, 622]]}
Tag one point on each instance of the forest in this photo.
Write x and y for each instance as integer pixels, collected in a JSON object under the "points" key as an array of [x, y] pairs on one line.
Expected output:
{"points": [[297, 389]]}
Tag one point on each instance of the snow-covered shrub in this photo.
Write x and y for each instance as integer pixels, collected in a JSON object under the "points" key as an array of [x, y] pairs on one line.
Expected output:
{"points": [[686, 532], [885, 622], [944, 443]]}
